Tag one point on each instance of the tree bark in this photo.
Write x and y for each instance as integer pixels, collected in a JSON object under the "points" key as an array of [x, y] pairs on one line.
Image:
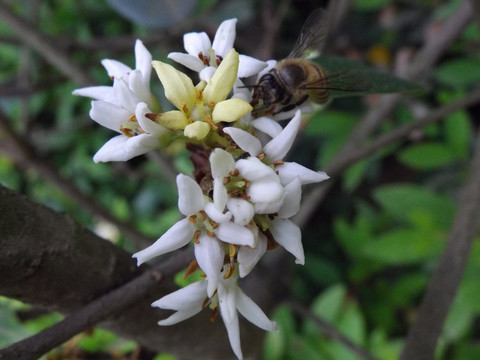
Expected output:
{"points": [[49, 260]]}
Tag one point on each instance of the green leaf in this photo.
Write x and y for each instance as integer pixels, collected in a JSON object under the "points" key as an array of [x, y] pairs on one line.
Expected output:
{"points": [[329, 303], [461, 72], [276, 343], [404, 200], [458, 134], [373, 80], [404, 246], [426, 156], [354, 175], [370, 5]]}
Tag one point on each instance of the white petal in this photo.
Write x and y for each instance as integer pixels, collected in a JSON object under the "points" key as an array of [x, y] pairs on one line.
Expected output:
{"points": [[125, 96], [290, 170], [240, 91], [220, 195], [207, 73], [143, 61], [249, 257], [241, 210], [210, 255], [179, 316], [305, 108], [184, 298], [122, 148], [254, 170], [265, 191], [232, 233], [190, 196], [189, 61], [136, 82], [228, 311], [252, 312], [249, 66], [244, 140], [217, 215], [221, 162], [224, 37], [108, 115], [287, 234], [104, 93], [146, 124], [267, 126], [116, 69], [196, 42], [278, 147], [291, 203], [176, 237]]}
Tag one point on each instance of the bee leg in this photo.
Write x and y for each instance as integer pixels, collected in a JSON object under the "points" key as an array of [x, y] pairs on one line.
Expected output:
{"points": [[293, 106]]}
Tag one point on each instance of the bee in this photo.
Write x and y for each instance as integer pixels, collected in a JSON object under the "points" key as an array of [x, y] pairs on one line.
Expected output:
{"points": [[295, 79]]}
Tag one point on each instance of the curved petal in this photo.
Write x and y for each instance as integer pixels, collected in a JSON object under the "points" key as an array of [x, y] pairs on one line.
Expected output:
{"points": [[178, 87], [122, 148], [279, 146], [224, 37], [287, 234], [176, 237], [189, 61], [210, 255], [291, 203], [252, 312], [196, 43], [116, 69], [222, 80], [197, 130], [143, 61], [230, 110], [244, 140], [228, 311], [254, 170], [146, 124], [221, 162], [290, 170], [187, 297], [220, 195], [232, 233], [125, 96], [249, 66], [104, 93], [190, 196], [108, 114], [241, 210], [136, 82], [217, 215], [249, 257], [267, 126], [206, 73]]}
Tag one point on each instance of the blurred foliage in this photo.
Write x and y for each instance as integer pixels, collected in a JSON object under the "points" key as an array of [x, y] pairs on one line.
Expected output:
{"points": [[372, 246]]}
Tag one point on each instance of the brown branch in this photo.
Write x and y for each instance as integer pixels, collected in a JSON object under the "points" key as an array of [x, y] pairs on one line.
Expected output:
{"points": [[25, 156], [96, 311], [423, 335], [45, 47], [331, 331]]}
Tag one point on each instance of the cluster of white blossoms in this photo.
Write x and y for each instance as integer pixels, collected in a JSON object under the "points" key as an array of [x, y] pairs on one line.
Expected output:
{"points": [[244, 193]]}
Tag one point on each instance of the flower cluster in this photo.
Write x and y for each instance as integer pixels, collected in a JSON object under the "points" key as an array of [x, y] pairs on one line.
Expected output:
{"points": [[244, 193]]}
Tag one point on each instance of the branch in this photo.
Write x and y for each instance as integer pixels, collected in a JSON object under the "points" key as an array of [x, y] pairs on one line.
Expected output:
{"points": [[330, 331], [96, 311], [423, 335], [18, 149], [45, 47]]}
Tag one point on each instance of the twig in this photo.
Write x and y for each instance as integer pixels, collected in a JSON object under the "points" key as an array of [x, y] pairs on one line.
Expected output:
{"points": [[423, 335], [96, 311], [45, 47], [330, 331], [24, 155]]}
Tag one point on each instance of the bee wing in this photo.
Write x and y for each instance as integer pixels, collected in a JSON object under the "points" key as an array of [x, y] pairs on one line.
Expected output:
{"points": [[312, 35], [345, 81]]}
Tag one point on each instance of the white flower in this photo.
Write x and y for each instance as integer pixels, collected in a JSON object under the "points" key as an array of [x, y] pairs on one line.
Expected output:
{"points": [[205, 232], [203, 56], [122, 108], [189, 300], [137, 80]]}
